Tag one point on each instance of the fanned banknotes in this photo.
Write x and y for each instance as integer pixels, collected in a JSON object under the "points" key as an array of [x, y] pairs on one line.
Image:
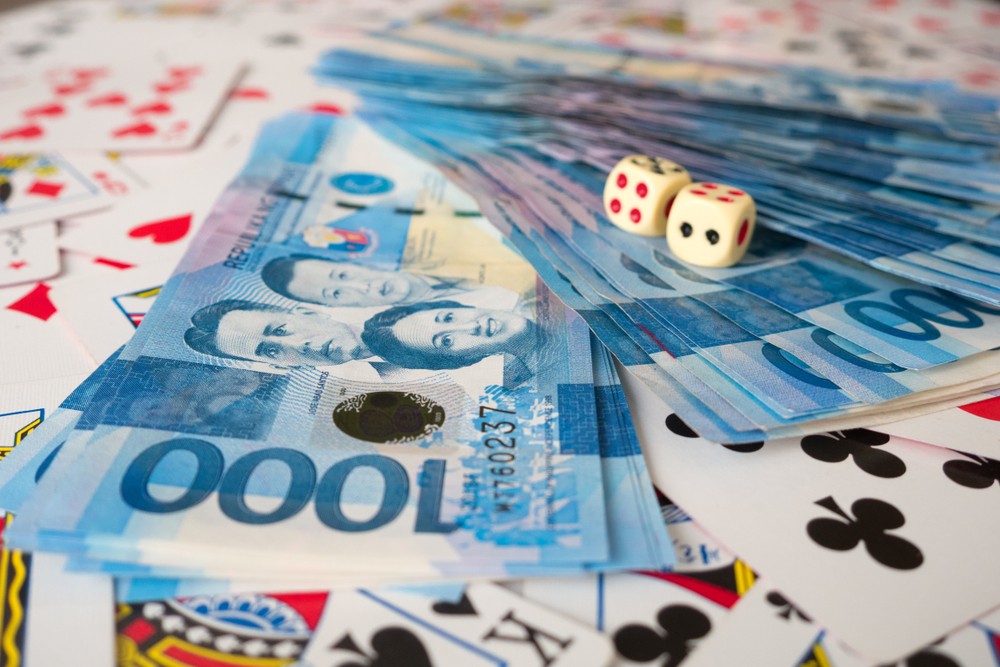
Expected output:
{"points": [[346, 375], [796, 338]]}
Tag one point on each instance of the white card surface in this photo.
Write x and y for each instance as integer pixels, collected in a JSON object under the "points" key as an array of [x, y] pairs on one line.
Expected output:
{"points": [[121, 104], [104, 311], [28, 253], [894, 524], [973, 428], [69, 618], [36, 343]]}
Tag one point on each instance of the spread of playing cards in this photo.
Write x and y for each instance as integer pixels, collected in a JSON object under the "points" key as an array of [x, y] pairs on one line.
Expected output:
{"points": [[527, 333]]}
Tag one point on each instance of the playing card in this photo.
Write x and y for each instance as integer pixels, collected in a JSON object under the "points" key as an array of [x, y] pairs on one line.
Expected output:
{"points": [[76, 608], [37, 30], [155, 226], [104, 311], [763, 628], [489, 625], [121, 104], [40, 600], [41, 360], [975, 645], [650, 617], [972, 428], [25, 405], [28, 253], [38, 187], [37, 343], [696, 550], [898, 522]]}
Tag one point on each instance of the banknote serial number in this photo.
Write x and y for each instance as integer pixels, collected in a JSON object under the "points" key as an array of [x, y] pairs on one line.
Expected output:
{"points": [[503, 454]]}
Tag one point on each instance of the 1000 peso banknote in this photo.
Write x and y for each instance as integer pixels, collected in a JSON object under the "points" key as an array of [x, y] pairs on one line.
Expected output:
{"points": [[343, 376]]}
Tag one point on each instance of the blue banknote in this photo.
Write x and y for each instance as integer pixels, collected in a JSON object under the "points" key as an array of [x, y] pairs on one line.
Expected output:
{"points": [[933, 268], [637, 534], [886, 184], [875, 322], [340, 370], [654, 274]]}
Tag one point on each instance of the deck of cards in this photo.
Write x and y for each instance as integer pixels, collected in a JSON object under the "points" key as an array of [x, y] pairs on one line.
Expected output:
{"points": [[279, 272]]}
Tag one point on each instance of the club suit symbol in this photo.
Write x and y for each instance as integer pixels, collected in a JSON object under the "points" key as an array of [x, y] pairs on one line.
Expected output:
{"points": [[747, 448], [680, 625], [857, 443], [872, 519], [786, 609], [393, 647], [979, 473], [678, 427]]}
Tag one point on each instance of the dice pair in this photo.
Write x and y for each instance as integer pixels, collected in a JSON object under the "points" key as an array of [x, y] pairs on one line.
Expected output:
{"points": [[707, 224]]}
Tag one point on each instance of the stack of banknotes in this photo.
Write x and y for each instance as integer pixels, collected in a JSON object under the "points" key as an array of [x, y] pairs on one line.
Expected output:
{"points": [[383, 387], [870, 295]]}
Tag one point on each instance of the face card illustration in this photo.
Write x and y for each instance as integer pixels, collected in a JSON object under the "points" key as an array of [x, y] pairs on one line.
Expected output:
{"points": [[15, 427], [881, 513], [136, 304], [228, 629], [136, 104], [41, 187], [697, 551]]}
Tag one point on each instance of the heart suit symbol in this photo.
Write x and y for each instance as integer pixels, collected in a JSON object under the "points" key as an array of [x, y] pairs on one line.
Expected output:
{"points": [[163, 231], [26, 132], [54, 109], [988, 409]]}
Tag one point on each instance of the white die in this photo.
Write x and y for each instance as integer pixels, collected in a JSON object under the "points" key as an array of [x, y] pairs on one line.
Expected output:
{"points": [[639, 192], [711, 224]]}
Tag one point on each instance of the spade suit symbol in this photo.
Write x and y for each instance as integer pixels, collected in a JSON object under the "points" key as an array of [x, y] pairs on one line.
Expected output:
{"points": [[857, 443], [679, 626], [461, 608], [393, 647], [872, 518]]}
